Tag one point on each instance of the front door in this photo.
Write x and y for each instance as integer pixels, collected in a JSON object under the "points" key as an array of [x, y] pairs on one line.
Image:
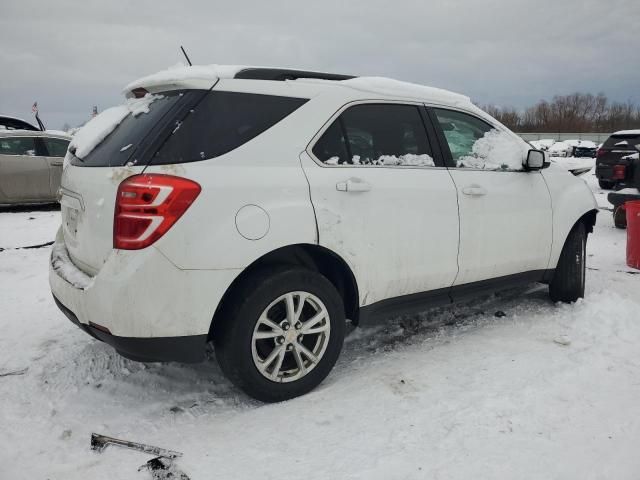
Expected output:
{"points": [[505, 211], [383, 201], [24, 173]]}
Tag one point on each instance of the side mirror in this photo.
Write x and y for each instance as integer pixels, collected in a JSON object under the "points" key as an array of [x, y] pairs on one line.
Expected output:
{"points": [[535, 160]]}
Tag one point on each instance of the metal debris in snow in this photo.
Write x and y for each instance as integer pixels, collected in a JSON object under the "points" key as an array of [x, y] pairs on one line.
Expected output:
{"points": [[161, 466], [163, 469], [14, 372], [100, 442]]}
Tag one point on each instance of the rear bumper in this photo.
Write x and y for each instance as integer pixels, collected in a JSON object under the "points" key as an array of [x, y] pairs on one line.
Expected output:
{"points": [[186, 349], [140, 302]]}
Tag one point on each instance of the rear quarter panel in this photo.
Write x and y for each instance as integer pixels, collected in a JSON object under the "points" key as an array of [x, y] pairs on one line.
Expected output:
{"points": [[264, 172]]}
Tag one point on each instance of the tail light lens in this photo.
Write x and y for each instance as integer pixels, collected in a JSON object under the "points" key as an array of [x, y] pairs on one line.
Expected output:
{"points": [[600, 153], [147, 206], [619, 172]]}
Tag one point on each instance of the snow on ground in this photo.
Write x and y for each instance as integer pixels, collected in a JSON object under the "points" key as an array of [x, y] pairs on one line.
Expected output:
{"points": [[547, 391], [20, 228]]}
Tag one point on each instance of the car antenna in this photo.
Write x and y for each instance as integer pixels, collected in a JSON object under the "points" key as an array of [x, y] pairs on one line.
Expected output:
{"points": [[186, 56]]}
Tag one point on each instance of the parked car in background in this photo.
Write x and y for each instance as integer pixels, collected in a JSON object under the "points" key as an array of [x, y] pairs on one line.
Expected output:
{"points": [[617, 164], [13, 123], [260, 208], [581, 148], [31, 165], [559, 149]]}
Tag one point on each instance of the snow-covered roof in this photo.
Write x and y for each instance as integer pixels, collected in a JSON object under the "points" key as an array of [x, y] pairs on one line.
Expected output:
{"points": [[181, 74], [34, 133], [627, 132], [397, 88]]}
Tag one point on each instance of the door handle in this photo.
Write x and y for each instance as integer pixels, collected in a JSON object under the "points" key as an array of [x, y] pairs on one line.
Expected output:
{"points": [[474, 190], [353, 185], [57, 164]]}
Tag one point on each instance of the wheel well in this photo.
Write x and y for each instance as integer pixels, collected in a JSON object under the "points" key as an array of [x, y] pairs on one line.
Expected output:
{"points": [[589, 220], [313, 257]]}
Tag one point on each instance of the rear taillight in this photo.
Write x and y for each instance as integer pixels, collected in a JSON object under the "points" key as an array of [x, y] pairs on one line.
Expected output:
{"points": [[147, 206], [619, 172], [600, 153]]}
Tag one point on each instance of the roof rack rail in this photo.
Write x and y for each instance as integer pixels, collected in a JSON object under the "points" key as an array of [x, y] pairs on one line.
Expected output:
{"points": [[282, 74]]}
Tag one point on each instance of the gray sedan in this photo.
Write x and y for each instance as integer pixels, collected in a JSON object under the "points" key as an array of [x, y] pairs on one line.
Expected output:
{"points": [[31, 165]]}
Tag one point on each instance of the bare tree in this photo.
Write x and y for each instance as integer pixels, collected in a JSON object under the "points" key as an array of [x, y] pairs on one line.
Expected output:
{"points": [[577, 112]]}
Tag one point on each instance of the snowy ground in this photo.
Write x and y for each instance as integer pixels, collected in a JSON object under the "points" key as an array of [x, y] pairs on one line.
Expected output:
{"points": [[547, 391]]}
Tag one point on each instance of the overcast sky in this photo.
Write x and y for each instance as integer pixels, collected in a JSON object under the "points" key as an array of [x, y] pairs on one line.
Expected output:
{"points": [[71, 55]]}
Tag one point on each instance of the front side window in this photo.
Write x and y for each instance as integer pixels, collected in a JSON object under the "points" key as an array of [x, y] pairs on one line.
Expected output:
{"points": [[376, 134], [18, 146], [474, 143], [56, 147]]}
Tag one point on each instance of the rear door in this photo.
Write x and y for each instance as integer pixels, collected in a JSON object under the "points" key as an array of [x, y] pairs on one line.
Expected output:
{"points": [[24, 171], [56, 150], [505, 212], [383, 200]]}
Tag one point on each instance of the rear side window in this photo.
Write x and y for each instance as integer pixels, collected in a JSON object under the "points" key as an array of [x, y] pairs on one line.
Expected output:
{"points": [[222, 122], [56, 147], [18, 146], [376, 134], [332, 148]]}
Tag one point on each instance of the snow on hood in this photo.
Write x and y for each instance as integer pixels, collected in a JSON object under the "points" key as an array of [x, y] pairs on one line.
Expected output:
{"points": [[559, 147], [397, 88], [543, 143], [100, 126], [581, 143], [181, 72]]}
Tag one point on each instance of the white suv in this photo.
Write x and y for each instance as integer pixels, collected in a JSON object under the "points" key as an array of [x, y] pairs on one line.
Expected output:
{"points": [[261, 208]]}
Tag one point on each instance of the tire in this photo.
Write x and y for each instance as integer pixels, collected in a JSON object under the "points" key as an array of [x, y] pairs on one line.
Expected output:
{"points": [[620, 217], [606, 184], [568, 280], [243, 353]]}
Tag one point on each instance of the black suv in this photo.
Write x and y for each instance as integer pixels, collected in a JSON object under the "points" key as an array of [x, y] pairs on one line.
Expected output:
{"points": [[617, 163]]}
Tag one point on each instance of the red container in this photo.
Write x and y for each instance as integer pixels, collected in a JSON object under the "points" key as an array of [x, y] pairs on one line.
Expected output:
{"points": [[633, 233]]}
